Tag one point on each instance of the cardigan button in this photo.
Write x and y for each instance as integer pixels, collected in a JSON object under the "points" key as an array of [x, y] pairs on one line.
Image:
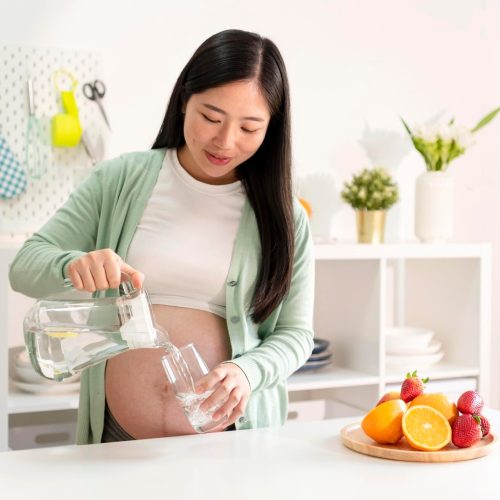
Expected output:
{"points": [[235, 319], [233, 283]]}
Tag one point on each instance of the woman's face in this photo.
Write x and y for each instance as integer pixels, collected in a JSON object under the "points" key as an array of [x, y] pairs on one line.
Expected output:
{"points": [[223, 127]]}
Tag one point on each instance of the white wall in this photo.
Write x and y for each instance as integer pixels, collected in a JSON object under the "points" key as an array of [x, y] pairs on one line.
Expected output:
{"points": [[351, 64]]}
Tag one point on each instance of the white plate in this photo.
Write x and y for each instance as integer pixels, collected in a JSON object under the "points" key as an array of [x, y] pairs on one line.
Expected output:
{"points": [[47, 389], [432, 348], [414, 362], [407, 337]]}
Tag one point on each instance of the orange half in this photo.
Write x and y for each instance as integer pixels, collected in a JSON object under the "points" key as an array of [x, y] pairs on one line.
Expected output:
{"points": [[425, 428]]}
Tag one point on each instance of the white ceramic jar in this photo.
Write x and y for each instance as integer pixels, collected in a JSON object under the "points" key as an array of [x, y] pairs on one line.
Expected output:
{"points": [[434, 207]]}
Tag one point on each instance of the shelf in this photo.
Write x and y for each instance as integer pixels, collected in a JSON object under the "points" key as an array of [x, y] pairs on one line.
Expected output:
{"points": [[438, 371], [23, 402], [329, 377], [354, 251]]}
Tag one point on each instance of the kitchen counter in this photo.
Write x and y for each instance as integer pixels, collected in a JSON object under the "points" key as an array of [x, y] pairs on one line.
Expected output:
{"points": [[303, 460]]}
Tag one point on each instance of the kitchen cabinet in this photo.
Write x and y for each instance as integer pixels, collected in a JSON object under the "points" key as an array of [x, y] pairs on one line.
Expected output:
{"points": [[360, 290]]}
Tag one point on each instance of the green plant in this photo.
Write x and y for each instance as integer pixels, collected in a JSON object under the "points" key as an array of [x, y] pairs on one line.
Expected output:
{"points": [[440, 143], [371, 189]]}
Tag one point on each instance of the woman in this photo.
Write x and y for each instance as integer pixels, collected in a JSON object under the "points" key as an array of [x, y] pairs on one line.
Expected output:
{"points": [[207, 217]]}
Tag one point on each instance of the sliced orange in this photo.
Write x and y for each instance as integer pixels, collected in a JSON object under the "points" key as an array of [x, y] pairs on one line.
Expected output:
{"points": [[425, 428], [440, 402], [383, 423]]}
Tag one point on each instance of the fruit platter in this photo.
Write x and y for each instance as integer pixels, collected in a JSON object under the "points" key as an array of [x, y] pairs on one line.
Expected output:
{"points": [[418, 426]]}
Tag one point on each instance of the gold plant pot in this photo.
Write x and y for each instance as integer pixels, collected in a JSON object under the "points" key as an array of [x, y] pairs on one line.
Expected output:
{"points": [[370, 225]]}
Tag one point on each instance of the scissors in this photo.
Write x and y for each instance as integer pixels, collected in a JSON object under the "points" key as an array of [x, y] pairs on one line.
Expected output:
{"points": [[95, 91]]}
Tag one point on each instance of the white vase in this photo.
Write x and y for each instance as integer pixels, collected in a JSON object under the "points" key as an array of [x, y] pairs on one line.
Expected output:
{"points": [[434, 207]]}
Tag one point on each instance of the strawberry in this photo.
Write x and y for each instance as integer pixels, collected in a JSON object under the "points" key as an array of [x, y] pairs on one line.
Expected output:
{"points": [[412, 386], [466, 430], [485, 425], [470, 402]]}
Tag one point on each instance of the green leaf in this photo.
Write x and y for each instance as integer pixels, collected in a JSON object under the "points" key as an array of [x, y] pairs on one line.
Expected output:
{"points": [[487, 119], [452, 121], [406, 127]]}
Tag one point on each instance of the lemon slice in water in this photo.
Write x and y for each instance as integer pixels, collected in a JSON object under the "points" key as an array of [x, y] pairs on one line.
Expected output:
{"points": [[62, 335]]}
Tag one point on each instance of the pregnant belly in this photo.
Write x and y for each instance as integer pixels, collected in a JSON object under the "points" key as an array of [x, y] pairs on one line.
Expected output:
{"points": [[137, 391]]}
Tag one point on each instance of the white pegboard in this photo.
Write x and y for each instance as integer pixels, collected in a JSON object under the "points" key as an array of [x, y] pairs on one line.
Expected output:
{"points": [[66, 167]]}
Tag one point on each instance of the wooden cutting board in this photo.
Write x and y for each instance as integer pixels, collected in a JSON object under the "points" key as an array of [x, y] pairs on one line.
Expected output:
{"points": [[354, 438]]}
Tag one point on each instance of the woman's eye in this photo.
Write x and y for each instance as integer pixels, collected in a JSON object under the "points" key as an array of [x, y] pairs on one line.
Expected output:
{"points": [[208, 119], [248, 131]]}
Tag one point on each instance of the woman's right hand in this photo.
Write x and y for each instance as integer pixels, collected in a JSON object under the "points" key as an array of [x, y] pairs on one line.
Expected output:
{"points": [[100, 270]]}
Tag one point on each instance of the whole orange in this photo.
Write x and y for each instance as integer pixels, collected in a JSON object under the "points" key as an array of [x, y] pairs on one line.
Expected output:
{"points": [[388, 396], [439, 402], [383, 423]]}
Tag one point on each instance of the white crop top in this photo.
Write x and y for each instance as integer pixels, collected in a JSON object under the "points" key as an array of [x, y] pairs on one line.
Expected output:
{"points": [[184, 241]]}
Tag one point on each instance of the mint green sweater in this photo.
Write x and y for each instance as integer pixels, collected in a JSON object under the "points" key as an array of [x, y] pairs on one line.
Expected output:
{"points": [[104, 212]]}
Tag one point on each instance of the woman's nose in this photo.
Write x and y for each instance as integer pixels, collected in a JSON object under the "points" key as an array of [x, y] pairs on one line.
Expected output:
{"points": [[225, 138]]}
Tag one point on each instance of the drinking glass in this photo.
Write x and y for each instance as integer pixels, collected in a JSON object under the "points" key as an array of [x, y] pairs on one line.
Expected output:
{"points": [[184, 366]]}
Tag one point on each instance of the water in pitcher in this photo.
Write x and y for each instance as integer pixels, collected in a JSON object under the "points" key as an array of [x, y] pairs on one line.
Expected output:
{"points": [[65, 336]]}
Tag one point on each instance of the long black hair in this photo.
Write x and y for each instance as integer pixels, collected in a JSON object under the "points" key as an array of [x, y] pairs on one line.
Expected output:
{"points": [[235, 55]]}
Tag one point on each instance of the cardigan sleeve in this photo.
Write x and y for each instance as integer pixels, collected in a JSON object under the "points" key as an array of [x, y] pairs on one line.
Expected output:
{"points": [[289, 341], [39, 267]]}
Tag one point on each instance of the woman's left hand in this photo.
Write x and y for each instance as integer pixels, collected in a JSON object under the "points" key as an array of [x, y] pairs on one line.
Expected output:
{"points": [[231, 391]]}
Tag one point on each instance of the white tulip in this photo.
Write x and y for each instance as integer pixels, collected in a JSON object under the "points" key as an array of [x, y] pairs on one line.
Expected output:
{"points": [[463, 137], [446, 132]]}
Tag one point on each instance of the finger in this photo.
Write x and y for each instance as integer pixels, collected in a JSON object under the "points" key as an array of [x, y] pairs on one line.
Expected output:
{"points": [[136, 277], [211, 379], [75, 278], [100, 278], [87, 279], [113, 273], [217, 398], [229, 405], [238, 412]]}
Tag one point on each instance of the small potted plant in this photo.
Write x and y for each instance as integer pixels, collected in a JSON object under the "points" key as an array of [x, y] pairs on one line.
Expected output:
{"points": [[371, 193]]}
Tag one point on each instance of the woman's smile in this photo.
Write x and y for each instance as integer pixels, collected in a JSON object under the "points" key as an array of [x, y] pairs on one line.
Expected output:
{"points": [[217, 159]]}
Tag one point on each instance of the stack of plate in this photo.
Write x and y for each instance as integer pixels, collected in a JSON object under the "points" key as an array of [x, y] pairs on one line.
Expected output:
{"points": [[409, 348], [321, 356], [25, 378]]}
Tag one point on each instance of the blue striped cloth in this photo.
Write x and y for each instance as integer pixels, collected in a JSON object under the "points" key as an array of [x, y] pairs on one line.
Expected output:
{"points": [[12, 176]]}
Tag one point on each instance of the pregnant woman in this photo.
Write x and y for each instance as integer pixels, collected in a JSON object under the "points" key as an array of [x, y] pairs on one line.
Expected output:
{"points": [[207, 222]]}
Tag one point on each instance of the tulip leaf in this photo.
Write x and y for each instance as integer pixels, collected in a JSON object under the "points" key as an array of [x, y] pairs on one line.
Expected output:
{"points": [[406, 127], [487, 119]]}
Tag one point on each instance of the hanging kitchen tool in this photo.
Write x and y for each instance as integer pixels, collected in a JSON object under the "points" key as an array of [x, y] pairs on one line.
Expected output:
{"points": [[66, 128], [33, 159], [95, 91], [12, 176]]}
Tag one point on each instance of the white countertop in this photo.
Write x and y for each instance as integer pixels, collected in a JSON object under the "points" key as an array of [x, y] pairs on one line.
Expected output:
{"points": [[303, 460]]}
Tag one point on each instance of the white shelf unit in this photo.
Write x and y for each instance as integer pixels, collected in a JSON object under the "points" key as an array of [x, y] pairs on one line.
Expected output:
{"points": [[360, 290], [363, 289]]}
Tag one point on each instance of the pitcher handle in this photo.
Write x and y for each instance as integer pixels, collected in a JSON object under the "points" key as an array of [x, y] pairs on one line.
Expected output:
{"points": [[126, 285]]}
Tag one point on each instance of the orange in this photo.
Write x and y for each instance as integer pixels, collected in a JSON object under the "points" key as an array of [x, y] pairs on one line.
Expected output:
{"points": [[388, 396], [307, 206], [383, 423], [425, 428], [439, 402]]}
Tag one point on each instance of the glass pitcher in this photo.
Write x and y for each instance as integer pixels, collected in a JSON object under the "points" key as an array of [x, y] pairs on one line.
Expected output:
{"points": [[65, 335]]}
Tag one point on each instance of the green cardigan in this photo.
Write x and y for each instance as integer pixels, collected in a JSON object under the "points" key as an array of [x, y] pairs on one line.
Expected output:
{"points": [[103, 212]]}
